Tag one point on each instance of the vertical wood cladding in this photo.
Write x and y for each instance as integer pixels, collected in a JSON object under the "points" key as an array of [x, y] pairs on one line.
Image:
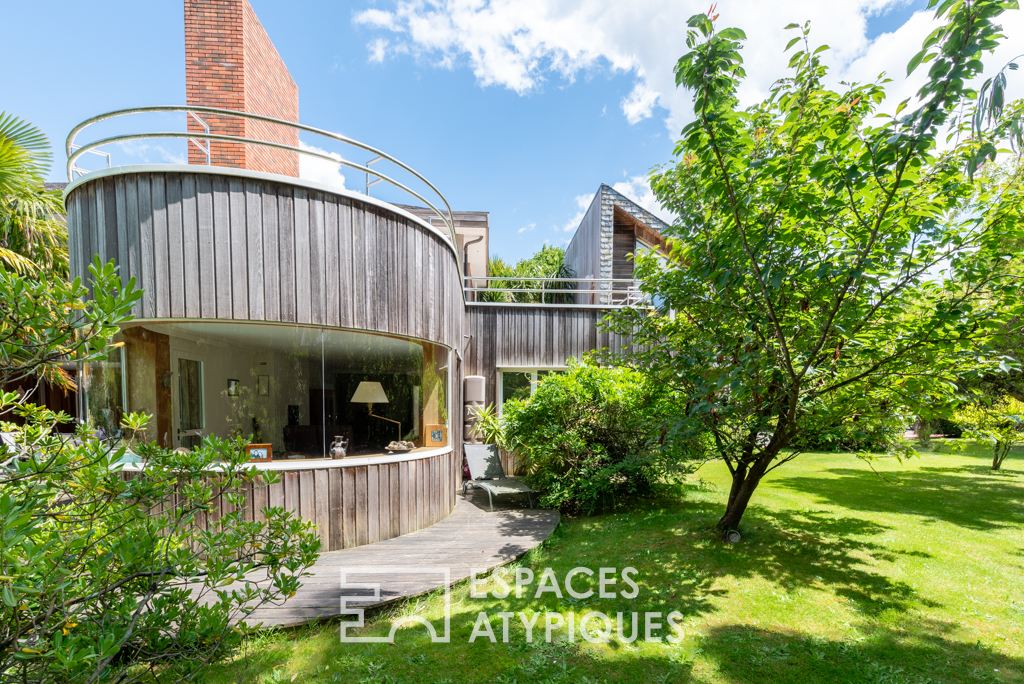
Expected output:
{"points": [[231, 63], [356, 505], [209, 246], [527, 337], [263, 251]]}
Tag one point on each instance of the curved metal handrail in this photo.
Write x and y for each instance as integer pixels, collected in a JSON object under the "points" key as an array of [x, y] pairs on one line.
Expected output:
{"points": [[74, 151]]}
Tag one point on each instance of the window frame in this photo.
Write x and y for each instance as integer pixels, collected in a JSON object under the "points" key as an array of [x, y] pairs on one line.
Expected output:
{"points": [[534, 379]]}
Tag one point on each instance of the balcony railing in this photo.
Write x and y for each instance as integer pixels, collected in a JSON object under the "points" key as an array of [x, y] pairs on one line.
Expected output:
{"points": [[76, 150], [600, 292]]}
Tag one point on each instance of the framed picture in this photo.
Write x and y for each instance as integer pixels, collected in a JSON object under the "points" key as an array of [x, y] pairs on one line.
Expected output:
{"points": [[263, 382], [260, 452], [436, 435], [232, 388]]}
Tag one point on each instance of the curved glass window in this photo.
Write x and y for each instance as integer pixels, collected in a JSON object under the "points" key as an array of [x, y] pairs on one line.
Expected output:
{"points": [[291, 389]]}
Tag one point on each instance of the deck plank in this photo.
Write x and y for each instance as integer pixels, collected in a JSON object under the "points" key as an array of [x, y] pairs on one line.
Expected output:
{"points": [[470, 538]]}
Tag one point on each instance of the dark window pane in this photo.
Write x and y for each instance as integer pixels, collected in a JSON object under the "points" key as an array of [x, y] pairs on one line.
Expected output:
{"points": [[515, 386]]}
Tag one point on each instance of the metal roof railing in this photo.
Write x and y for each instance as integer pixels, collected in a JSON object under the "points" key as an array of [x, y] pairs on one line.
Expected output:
{"points": [[75, 150], [603, 292]]}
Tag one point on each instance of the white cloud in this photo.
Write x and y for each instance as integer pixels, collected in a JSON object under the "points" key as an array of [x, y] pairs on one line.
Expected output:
{"points": [[582, 204], [640, 103], [377, 50], [639, 190], [138, 148], [320, 170], [519, 44], [528, 227]]}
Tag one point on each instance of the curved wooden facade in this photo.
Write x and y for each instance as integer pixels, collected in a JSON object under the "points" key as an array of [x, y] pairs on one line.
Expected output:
{"points": [[230, 246], [226, 245]]}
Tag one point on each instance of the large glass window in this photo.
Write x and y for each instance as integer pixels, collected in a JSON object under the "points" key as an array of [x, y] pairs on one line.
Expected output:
{"points": [[103, 394], [294, 388], [521, 383]]}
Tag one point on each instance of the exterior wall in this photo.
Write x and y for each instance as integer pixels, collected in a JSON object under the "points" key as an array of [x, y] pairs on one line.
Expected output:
{"points": [[222, 246], [353, 505], [230, 63], [530, 337], [217, 246], [471, 235], [592, 249], [583, 254]]}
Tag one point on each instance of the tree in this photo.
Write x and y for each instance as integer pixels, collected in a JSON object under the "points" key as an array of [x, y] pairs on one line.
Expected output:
{"points": [[547, 263], [828, 266], [110, 573], [32, 234], [996, 423]]}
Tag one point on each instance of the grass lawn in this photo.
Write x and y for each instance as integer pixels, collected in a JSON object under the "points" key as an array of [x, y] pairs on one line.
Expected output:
{"points": [[842, 576]]}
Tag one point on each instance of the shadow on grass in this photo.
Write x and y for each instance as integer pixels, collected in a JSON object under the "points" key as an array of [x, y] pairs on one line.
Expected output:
{"points": [[925, 653], [971, 496], [797, 550]]}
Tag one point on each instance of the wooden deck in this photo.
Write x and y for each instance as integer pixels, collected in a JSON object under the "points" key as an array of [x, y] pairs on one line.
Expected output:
{"points": [[471, 537]]}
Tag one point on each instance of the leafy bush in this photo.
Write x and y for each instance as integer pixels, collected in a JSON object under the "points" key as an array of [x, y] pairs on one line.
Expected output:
{"points": [[109, 572], [592, 435]]}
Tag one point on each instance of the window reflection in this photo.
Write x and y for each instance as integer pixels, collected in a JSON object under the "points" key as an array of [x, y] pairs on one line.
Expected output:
{"points": [[290, 387]]}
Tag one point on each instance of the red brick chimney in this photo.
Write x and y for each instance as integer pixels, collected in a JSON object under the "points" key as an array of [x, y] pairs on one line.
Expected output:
{"points": [[230, 63]]}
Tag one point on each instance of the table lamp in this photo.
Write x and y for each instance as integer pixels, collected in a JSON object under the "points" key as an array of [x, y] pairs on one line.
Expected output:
{"points": [[371, 393]]}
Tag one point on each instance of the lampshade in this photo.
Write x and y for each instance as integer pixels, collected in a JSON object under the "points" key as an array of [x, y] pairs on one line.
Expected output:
{"points": [[369, 393]]}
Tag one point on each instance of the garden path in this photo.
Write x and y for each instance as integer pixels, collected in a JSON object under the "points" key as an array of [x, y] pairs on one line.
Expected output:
{"points": [[470, 538]]}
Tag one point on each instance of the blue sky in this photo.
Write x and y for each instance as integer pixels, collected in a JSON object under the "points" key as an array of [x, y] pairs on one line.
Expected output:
{"points": [[525, 130]]}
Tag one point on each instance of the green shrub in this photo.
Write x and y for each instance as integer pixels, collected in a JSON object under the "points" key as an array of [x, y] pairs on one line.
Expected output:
{"points": [[593, 435], [110, 572]]}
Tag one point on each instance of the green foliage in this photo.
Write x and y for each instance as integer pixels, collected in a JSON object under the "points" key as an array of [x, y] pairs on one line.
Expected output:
{"points": [[547, 263], [111, 572], [592, 435], [875, 434], [996, 423], [45, 320], [830, 266], [32, 236]]}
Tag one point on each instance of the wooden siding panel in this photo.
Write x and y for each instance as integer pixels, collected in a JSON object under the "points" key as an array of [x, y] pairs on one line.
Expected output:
{"points": [[372, 508], [146, 245], [332, 264], [271, 256], [161, 247], [303, 312], [222, 246], [348, 485], [317, 259], [175, 245], [322, 515], [205, 231], [239, 273], [190, 246], [336, 509], [254, 258], [286, 247]]}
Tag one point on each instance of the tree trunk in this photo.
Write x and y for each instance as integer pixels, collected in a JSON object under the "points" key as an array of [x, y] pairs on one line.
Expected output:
{"points": [[744, 482], [999, 454]]}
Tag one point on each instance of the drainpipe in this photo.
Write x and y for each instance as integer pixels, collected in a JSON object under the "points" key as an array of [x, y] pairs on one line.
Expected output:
{"points": [[465, 258]]}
